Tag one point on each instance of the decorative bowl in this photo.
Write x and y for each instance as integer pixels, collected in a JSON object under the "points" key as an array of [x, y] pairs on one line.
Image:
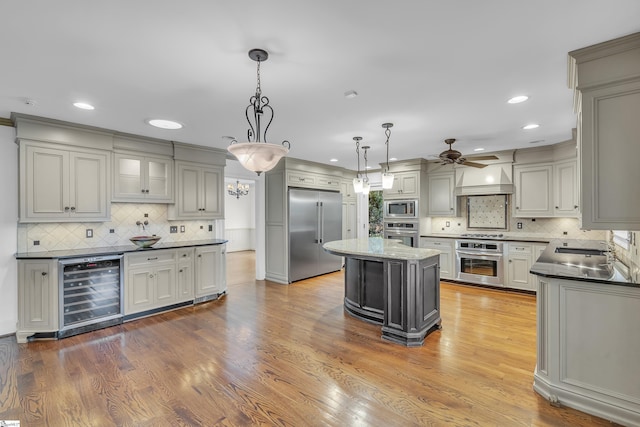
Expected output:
{"points": [[145, 241]]}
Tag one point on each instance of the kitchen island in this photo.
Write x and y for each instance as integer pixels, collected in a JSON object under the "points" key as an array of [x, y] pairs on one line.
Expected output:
{"points": [[391, 284], [588, 310]]}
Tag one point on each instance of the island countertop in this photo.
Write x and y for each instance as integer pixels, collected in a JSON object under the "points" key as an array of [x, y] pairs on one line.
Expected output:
{"points": [[377, 247]]}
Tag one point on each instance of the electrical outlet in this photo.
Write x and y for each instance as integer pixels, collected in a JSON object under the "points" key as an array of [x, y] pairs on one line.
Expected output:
{"points": [[37, 243], [202, 227], [448, 224], [89, 233], [173, 229], [146, 215], [182, 229], [210, 227], [564, 233], [519, 226], [111, 230]]}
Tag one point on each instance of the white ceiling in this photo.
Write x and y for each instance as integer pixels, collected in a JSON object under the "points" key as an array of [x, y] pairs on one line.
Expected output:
{"points": [[436, 69]]}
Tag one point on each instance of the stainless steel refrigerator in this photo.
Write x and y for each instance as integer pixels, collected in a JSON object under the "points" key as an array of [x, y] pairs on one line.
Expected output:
{"points": [[315, 217]]}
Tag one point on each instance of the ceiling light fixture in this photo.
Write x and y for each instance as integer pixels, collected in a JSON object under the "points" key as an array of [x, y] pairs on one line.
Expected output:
{"points": [[164, 124], [255, 155], [531, 126], [238, 189], [478, 149], [357, 181], [387, 177], [365, 182], [518, 99], [350, 94], [333, 160], [83, 106]]}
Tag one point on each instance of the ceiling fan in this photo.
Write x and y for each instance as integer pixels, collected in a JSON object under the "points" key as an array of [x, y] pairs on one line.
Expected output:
{"points": [[450, 156]]}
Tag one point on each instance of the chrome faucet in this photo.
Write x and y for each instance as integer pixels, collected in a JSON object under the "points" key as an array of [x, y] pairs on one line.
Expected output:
{"points": [[138, 223]]}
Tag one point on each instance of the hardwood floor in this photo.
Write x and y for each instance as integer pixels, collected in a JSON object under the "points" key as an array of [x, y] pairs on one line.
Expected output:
{"points": [[268, 354]]}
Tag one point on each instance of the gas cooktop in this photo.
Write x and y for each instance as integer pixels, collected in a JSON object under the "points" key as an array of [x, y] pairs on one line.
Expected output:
{"points": [[482, 236]]}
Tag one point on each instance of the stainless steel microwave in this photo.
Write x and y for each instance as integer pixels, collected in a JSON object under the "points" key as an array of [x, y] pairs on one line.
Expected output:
{"points": [[401, 209]]}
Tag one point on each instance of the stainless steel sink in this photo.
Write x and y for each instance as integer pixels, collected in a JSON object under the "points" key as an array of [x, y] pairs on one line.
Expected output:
{"points": [[580, 251]]}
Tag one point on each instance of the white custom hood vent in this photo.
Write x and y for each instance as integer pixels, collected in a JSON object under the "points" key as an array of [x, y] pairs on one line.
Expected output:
{"points": [[493, 179]]}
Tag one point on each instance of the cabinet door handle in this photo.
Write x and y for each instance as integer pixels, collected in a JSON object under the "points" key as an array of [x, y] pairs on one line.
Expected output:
{"points": [[66, 208], [180, 270], [199, 255], [44, 273], [151, 276], [557, 207], [509, 260], [152, 259], [73, 208], [517, 207], [142, 191], [575, 206]]}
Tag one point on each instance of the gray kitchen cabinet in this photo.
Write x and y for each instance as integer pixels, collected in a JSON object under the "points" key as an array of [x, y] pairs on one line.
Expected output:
{"points": [[518, 265], [406, 185], [445, 246], [150, 281], [199, 192], [349, 218], [185, 275], [37, 298], [210, 272], [63, 184], [142, 179], [565, 193], [442, 201], [606, 79], [533, 190]]}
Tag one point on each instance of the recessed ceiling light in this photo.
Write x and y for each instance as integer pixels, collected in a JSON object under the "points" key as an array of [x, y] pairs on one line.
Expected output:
{"points": [[333, 160], [518, 99], [393, 159], [478, 149], [83, 106], [368, 167], [164, 124], [350, 94], [531, 126]]}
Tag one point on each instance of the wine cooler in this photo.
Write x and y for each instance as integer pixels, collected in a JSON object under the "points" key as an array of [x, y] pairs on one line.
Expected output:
{"points": [[90, 294]]}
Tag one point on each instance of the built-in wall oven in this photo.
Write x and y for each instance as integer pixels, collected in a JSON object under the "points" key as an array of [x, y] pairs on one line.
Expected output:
{"points": [[401, 209], [480, 262], [90, 294], [407, 232]]}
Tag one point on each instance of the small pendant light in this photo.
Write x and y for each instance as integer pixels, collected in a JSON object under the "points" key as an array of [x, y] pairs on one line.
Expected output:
{"points": [[387, 177], [357, 181]]}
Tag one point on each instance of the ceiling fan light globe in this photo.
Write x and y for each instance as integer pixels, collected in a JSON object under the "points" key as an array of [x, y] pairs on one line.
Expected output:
{"points": [[387, 180]]}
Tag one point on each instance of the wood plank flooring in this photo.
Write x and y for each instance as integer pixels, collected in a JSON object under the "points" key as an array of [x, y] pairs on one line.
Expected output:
{"points": [[268, 354]]}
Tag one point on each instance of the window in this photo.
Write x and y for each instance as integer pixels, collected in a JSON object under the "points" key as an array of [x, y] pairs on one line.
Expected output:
{"points": [[376, 225]]}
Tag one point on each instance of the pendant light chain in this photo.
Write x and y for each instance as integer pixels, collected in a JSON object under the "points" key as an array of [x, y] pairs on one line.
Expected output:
{"points": [[387, 132]]}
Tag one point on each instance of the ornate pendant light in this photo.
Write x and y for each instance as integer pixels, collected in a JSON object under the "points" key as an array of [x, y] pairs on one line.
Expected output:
{"points": [[365, 182], [238, 189], [357, 181], [256, 155], [387, 177]]}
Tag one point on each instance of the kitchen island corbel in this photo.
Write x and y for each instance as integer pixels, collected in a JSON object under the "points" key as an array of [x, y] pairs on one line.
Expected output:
{"points": [[391, 284]]}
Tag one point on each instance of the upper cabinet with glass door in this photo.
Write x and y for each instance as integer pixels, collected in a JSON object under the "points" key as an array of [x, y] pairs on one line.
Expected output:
{"points": [[142, 179], [142, 170]]}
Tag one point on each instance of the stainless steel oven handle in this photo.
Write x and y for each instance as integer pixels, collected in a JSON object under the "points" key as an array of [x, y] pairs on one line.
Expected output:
{"points": [[494, 254]]}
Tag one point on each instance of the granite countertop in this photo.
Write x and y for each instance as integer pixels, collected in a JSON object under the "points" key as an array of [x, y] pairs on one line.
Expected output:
{"points": [[583, 260], [114, 250], [377, 247]]}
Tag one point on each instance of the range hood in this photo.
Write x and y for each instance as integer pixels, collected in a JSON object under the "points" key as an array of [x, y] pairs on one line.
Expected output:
{"points": [[493, 179]]}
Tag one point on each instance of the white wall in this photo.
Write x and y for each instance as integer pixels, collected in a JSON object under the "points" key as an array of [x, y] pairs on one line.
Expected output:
{"points": [[8, 230], [239, 214]]}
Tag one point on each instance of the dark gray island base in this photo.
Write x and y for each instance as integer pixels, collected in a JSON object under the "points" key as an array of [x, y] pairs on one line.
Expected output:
{"points": [[393, 285]]}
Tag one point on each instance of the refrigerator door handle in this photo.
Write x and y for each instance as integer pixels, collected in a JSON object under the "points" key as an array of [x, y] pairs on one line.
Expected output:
{"points": [[317, 239], [321, 222]]}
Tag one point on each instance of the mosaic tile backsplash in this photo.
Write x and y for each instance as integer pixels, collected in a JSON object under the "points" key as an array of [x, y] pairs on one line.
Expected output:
{"points": [[64, 236], [546, 228]]}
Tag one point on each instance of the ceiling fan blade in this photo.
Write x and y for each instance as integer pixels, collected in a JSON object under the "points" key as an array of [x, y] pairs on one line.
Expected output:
{"points": [[483, 157], [474, 164]]}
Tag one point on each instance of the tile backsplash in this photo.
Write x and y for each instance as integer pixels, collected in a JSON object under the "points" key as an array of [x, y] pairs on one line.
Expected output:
{"points": [[546, 228], [64, 236]]}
